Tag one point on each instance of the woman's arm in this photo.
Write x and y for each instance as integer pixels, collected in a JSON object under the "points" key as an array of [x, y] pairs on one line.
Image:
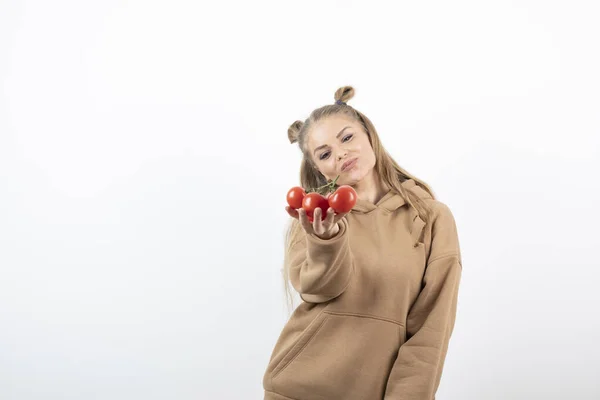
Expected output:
{"points": [[320, 269]]}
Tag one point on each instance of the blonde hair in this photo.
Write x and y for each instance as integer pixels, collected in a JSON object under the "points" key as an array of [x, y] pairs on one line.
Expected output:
{"points": [[386, 168]]}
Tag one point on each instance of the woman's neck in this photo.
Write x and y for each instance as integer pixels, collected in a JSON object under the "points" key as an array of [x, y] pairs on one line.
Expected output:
{"points": [[371, 188]]}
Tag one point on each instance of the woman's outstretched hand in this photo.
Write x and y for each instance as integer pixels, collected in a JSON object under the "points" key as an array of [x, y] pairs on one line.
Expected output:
{"points": [[325, 229]]}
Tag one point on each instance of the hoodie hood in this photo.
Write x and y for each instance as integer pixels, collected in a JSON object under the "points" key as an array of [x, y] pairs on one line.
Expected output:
{"points": [[391, 200]]}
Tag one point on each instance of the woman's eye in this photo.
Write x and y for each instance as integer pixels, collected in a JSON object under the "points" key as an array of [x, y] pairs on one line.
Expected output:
{"points": [[323, 156]]}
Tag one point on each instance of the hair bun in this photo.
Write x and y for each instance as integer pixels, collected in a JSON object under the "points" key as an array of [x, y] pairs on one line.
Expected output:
{"points": [[294, 130], [344, 94]]}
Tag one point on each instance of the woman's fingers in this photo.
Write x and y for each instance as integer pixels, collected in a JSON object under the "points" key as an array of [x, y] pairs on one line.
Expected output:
{"points": [[293, 213], [317, 223], [322, 226], [338, 217], [330, 220], [304, 220]]}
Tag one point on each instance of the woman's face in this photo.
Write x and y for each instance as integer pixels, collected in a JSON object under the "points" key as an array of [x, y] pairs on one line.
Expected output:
{"points": [[336, 140]]}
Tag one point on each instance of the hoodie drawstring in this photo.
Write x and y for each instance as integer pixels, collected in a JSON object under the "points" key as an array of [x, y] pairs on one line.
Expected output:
{"points": [[417, 230]]}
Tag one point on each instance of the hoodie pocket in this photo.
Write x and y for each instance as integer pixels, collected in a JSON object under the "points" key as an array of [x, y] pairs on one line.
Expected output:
{"points": [[340, 355]]}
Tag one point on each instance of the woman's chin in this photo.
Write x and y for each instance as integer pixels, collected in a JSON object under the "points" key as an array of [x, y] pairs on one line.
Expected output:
{"points": [[350, 178], [350, 181]]}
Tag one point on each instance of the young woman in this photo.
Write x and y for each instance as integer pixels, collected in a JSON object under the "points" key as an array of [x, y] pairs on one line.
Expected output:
{"points": [[379, 284]]}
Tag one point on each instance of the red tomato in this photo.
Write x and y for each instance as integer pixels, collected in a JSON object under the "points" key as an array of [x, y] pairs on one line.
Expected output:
{"points": [[312, 201], [295, 196], [343, 199]]}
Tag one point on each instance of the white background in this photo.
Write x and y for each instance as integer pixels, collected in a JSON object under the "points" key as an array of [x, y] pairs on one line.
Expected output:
{"points": [[144, 163]]}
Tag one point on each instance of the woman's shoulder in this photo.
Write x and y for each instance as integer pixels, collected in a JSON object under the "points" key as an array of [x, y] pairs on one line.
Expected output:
{"points": [[438, 206], [441, 214]]}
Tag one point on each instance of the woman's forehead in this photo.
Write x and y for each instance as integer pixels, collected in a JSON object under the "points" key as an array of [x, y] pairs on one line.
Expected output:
{"points": [[326, 130]]}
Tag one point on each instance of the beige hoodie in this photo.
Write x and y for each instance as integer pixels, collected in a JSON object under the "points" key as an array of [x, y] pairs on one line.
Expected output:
{"points": [[379, 304]]}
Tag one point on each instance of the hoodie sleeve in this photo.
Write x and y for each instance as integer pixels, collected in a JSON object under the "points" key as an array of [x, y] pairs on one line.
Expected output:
{"points": [[320, 269], [417, 371]]}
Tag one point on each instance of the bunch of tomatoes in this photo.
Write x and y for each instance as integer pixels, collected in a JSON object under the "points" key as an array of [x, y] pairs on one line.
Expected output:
{"points": [[341, 198]]}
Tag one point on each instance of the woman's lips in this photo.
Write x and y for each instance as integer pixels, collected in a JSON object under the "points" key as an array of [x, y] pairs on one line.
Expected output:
{"points": [[349, 164]]}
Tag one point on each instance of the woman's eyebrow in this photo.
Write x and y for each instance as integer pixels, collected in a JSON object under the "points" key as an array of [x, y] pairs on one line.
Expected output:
{"points": [[336, 136]]}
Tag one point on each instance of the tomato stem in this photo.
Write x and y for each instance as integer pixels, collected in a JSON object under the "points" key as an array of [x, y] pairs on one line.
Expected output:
{"points": [[330, 186]]}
